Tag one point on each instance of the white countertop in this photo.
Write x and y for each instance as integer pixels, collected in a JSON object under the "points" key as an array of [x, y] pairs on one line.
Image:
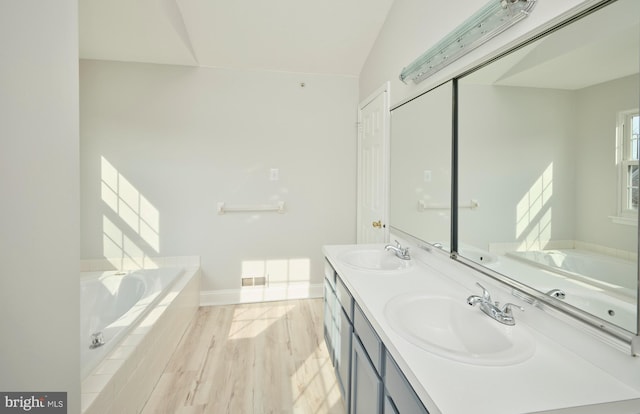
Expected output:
{"points": [[553, 378]]}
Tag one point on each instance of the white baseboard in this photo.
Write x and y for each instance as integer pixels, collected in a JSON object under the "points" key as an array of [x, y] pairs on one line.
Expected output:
{"points": [[253, 294]]}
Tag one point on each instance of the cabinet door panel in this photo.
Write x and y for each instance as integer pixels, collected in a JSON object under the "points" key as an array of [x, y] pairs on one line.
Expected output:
{"points": [[329, 323], [343, 358], [369, 338], [366, 386], [389, 408], [399, 391]]}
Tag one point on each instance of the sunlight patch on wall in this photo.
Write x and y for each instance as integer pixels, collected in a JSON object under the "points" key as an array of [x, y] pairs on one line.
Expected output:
{"points": [[533, 212], [120, 250], [135, 216]]}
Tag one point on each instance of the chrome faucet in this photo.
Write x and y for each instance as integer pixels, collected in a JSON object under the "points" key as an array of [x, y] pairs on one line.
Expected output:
{"points": [[97, 340], [490, 308], [557, 293], [401, 252]]}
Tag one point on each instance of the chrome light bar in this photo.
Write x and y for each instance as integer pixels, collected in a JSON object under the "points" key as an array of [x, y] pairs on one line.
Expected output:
{"points": [[494, 18]]}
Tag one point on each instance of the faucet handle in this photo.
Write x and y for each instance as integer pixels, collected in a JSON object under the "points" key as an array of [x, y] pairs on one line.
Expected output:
{"points": [[485, 293], [403, 250], [506, 309]]}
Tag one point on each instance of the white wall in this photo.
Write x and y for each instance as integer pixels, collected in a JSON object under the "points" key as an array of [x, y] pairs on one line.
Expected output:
{"points": [[39, 220], [182, 139], [421, 142], [516, 157], [413, 26], [517, 143], [598, 108]]}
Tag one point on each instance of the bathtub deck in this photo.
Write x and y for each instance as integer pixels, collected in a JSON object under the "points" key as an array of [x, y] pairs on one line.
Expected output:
{"points": [[254, 358]]}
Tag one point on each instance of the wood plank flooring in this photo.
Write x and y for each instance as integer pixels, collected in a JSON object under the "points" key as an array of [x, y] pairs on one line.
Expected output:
{"points": [[251, 358]]}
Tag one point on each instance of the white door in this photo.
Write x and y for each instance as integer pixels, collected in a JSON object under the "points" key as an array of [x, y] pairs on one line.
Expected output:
{"points": [[373, 168]]}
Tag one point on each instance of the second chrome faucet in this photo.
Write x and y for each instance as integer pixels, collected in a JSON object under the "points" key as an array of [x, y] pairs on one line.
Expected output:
{"points": [[401, 252], [504, 315]]}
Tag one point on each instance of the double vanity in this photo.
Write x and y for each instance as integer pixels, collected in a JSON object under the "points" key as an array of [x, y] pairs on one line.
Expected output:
{"points": [[426, 334], [514, 183]]}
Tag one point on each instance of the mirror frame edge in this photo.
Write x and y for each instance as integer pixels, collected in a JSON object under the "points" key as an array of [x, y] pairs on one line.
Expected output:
{"points": [[606, 331]]}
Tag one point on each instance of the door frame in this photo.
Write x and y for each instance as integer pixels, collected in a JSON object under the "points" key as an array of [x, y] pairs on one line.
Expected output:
{"points": [[385, 91]]}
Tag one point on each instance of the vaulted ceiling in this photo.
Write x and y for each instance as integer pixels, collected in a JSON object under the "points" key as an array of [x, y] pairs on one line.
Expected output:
{"points": [[329, 36]]}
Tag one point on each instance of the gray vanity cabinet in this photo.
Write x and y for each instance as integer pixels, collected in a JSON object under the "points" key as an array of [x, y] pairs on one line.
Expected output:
{"points": [[338, 328], [343, 357], [368, 377], [345, 332], [399, 395], [366, 385], [366, 367], [330, 325], [389, 407]]}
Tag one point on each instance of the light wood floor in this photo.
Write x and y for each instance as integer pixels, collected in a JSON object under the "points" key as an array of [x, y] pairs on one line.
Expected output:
{"points": [[253, 358]]}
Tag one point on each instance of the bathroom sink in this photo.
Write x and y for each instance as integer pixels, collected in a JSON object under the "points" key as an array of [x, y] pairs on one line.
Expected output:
{"points": [[379, 260], [454, 330]]}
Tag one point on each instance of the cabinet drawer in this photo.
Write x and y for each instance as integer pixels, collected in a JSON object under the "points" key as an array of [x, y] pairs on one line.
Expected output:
{"points": [[330, 274], [399, 391], [370, 340], [329, 299], [344, 297]]}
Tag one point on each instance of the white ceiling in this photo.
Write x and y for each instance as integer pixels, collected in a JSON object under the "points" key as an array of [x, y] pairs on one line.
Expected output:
{"points": [[308, 36]]}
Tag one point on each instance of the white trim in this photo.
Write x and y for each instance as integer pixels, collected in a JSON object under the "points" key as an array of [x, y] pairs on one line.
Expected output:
{"points": [[628, 221], [254, 294], [385, 88]]}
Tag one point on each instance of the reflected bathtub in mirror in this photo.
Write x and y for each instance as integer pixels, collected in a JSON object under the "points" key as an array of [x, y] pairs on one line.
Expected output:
{"points": [[548, 141]]}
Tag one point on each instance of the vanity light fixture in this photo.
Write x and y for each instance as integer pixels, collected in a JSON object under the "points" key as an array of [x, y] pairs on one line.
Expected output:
{"points": [[494, 18]]}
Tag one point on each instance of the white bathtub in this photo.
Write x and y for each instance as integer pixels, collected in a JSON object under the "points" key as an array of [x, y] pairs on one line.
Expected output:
{"points": [[113, 303], [586, 265], [602, 285]]}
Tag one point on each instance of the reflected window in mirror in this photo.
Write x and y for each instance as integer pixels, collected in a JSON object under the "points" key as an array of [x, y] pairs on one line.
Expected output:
{"points": [[420, 167], [627, 156], [541, 150]]}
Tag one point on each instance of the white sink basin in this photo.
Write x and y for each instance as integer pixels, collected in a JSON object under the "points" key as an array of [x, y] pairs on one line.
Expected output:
{"points": [[452, 329], [378, 260]]}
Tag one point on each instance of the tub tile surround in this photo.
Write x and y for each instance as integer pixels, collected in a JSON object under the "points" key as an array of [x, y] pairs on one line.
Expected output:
{"points": [[124, 380], [570, 367]]}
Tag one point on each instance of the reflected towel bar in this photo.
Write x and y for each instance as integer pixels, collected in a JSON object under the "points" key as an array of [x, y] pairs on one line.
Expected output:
{"points": [[422, 206], [224, 208]]}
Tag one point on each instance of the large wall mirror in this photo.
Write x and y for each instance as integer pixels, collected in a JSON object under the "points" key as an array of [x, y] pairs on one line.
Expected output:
{"points": [[420, 167], [548, 146]]}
